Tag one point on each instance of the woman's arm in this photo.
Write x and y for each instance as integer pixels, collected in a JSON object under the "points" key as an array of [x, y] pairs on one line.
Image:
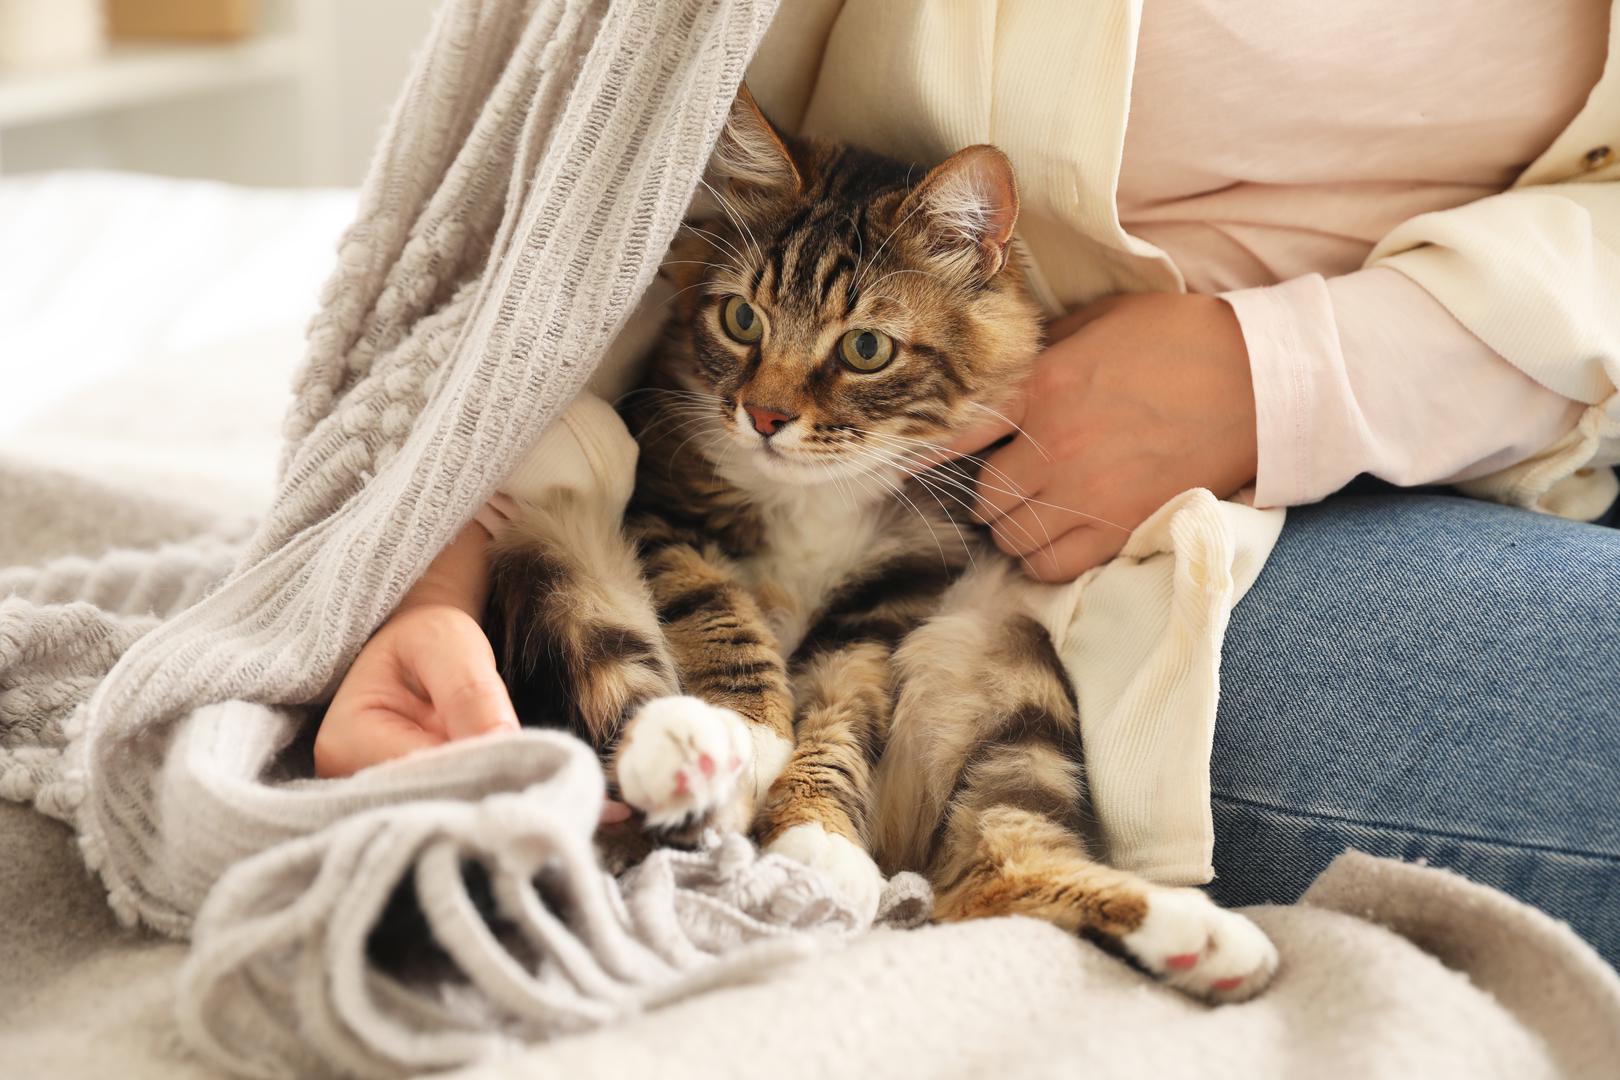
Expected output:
{"points": [[1368, 373], [459, 577], [1534, 273], [427, 676]]}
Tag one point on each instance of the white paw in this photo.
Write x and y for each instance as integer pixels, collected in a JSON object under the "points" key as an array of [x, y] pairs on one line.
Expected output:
{"points": [[680, 759], [1202, 949], [848, 868]]}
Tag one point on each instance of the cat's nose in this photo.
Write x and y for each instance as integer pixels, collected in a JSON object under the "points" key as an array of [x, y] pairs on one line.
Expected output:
{"points": [[766, 421]]}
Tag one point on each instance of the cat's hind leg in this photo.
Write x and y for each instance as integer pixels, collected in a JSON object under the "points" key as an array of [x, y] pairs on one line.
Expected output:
{"points": [[982, 787], [1006, 859]]}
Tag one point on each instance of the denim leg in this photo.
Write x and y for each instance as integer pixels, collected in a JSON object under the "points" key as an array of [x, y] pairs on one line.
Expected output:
{"points": [[1427, 677]]}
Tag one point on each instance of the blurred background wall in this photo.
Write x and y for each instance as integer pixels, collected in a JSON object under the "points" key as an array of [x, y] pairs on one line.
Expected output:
{"points": [[261, 92]]}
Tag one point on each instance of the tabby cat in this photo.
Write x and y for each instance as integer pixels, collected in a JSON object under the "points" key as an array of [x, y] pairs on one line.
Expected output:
{"points": [[797, 628]]}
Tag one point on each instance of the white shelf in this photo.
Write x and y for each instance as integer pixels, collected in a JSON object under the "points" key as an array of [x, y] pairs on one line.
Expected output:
{"points": [[129, 75]]}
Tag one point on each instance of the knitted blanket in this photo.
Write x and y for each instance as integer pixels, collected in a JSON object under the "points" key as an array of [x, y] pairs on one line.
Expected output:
{"points": [[530, 180]]}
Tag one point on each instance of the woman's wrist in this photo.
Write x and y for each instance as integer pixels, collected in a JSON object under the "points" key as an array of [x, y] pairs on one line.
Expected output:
{"points": [[458, 577]]}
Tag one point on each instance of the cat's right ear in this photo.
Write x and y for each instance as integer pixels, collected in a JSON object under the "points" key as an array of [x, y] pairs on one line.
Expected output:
{"points": [[966, 209], [751, 155]]}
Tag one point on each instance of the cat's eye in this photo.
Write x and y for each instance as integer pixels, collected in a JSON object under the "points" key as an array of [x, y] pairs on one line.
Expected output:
{"points": [[866, 351], [741, 321]]}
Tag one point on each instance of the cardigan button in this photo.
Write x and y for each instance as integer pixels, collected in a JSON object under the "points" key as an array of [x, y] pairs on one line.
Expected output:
{"points": [[1597, 157]]}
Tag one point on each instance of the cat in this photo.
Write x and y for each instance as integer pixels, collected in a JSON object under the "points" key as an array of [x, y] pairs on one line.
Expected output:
{"points": [[798, 629]]}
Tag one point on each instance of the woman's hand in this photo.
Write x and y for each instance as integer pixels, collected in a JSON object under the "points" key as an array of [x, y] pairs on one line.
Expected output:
{"points": [[1137, 399], [425, 678]]}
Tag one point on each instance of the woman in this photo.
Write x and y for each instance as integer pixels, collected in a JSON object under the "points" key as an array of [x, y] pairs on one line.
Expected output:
{"points": [[1329, 277]]}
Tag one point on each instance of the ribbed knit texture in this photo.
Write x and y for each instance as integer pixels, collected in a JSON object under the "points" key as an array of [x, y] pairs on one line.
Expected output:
{"points": [[535, 171], [530, 180]]}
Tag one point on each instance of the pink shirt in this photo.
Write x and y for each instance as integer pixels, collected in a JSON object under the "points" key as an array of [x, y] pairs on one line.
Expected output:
{"points": [[1270, 146]]}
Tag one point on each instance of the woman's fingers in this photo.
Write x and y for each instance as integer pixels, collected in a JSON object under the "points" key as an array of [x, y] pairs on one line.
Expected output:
{"points": [[1075, 552], [457, 671], [991, 425], [368, 738], [1008, 478], [1032, 526]]}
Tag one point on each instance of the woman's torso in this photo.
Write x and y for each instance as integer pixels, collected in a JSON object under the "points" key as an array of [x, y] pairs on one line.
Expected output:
{"points": [[1272, 140], [1264, 140]]}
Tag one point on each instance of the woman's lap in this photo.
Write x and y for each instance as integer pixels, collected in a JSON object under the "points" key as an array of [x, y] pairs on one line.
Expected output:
{"points": [[1427, 677]]}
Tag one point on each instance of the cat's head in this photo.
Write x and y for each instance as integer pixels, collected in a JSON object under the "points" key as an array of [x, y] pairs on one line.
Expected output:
{"points": [[842, 311]]}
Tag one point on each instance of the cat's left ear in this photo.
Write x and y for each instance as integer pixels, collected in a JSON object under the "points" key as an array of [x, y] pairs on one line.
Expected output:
{"points": [[751, 154], [966, 209]]}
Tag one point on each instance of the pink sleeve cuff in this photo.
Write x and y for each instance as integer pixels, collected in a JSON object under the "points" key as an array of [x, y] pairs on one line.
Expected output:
{"points": [[1297, 369], [1368, 373]]}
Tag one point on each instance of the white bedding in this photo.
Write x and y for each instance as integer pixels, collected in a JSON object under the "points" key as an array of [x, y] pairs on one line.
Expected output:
{"points": [[188, 297]]}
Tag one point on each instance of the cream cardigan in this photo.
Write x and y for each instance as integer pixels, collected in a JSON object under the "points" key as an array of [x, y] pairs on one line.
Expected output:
{"points": [[1534, 272]]}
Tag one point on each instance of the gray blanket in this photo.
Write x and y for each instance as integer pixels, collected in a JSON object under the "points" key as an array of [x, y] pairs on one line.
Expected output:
{"points": [[1388, 971]]}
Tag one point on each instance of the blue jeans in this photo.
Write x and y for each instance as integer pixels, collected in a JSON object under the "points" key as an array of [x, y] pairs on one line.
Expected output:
{"points": [[1424, 676]]}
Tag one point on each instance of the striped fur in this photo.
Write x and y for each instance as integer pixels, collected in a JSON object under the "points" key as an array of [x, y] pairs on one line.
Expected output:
{"points": [[843, 607]]}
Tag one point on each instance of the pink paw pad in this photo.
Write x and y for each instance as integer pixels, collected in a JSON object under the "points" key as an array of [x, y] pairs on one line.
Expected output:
{"points": [[1182, 962], [1223, 985], [681, 785], [706, 764]]}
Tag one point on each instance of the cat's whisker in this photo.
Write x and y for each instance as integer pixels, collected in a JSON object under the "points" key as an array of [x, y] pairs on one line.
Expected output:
{"points": [[891, 485], [724, 269], [666, 427], [680, 292], [908, 270], [898, 460], [736, 218], [691, 406], [876, 255], [897, 302], [1009, 489], [667, 391], [682, 398], [940, 483], [860, 250], [1045, 539], [1006, 420], [873, 453], [718, 239], [677, 451]]}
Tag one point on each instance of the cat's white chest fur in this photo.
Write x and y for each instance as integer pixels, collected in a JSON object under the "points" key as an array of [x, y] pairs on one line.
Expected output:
{"points": [[815, 538]]}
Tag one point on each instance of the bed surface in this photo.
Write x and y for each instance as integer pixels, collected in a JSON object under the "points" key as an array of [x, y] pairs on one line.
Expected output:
{"points": [[149, 328]]}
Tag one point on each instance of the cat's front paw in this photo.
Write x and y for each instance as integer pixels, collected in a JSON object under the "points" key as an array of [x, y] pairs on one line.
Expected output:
{"points": [[1198, 947], [846, 866], [680, 759]]}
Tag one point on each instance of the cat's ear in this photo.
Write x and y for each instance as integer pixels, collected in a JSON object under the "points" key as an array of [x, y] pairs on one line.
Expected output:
{"points": [[751, 154], [966, 209]]}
